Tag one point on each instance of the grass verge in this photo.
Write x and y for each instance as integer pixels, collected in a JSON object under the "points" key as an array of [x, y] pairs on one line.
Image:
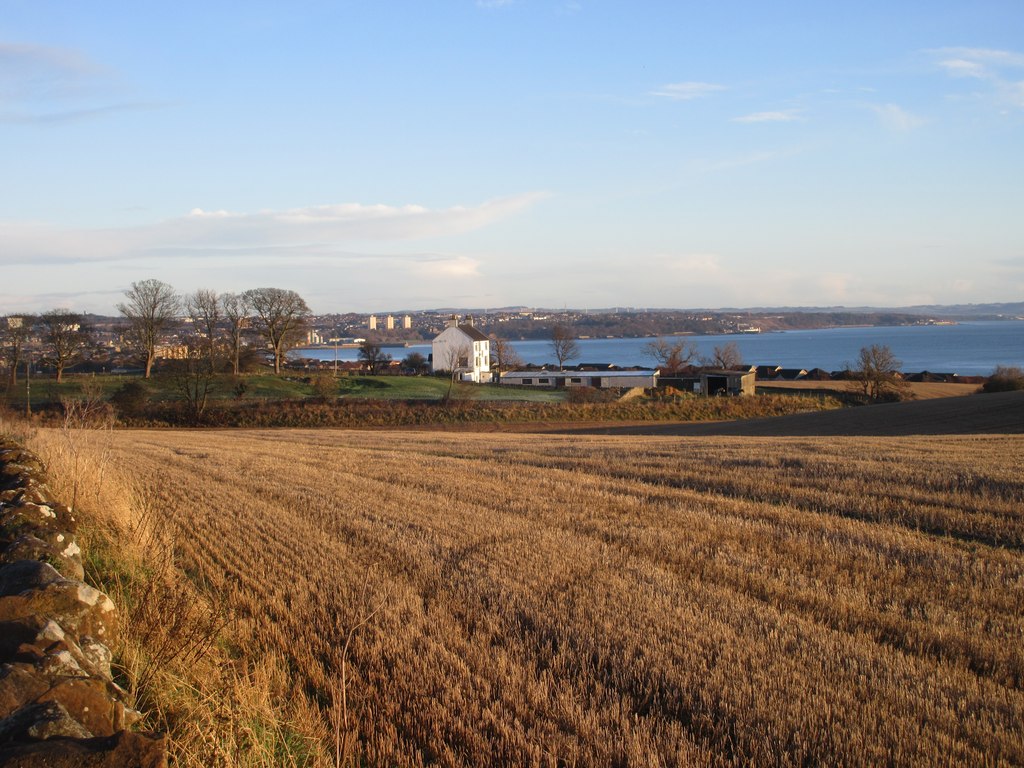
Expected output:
{"points": [[177, 653]]}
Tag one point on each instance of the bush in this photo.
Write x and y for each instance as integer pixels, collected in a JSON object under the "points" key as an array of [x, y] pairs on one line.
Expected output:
{"points": [[1005, 378], [131, 399]]}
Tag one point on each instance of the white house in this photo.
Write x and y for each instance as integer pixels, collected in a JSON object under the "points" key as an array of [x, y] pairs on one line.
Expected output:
{"points": [[464, 349]]}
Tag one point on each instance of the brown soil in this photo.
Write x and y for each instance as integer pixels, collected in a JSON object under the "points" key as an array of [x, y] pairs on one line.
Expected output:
{"points": [[999, 413], [920, 390]]}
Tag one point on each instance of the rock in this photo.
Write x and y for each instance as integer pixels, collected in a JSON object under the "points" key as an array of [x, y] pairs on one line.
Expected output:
{"points": [[23, 575], [20, 686], [88, 702], [14, 633], [123, 750], [64, 555], [41, 721], [76, 607]]}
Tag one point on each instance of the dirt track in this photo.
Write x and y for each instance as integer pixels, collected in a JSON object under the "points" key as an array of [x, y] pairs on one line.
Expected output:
{"points": [[1001, 413]]}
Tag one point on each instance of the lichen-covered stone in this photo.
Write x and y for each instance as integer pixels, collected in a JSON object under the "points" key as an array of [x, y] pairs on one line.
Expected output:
{"points": [[64, 555], [123, 750]]}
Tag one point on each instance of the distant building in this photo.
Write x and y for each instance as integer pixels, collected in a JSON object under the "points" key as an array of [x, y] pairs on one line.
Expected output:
{"points": [[407, 322], [724, 382], [601, 379], [389, 322], [371, 324], [462, 348]]}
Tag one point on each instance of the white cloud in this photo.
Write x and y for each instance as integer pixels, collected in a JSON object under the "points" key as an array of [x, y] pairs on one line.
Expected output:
{"points": [[226, 234], [897, 118], [493, 3], [447, 267], [989, 66], [780, 116], [45, 84], [964, 68], [695, 264], [687, 91]]}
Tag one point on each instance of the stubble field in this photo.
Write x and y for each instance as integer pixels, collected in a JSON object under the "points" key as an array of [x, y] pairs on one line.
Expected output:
{"points": [[641, 601]]}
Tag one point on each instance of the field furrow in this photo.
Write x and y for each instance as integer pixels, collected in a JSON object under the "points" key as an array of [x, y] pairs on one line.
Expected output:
{"points": [[620, 600]]}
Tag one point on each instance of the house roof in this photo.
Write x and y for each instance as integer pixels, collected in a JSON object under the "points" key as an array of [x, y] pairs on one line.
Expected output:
{"points": [[474, 333]]}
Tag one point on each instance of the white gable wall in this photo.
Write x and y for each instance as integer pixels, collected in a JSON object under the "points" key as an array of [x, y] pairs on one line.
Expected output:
{"points": [[474, 356]]}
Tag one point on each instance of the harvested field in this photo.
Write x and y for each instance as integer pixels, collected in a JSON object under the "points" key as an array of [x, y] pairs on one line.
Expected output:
{"points": [[997, 413], [920, 390], [556, 600]]}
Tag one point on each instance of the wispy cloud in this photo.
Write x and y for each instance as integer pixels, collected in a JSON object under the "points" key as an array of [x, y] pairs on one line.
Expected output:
{"points": [[687, 91], [896, 118], [46, 84], [227, 234], [779, 116], [1000, 70]]}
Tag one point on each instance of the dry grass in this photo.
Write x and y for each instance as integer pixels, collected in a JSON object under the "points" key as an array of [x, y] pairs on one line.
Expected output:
{"points": [[615, 601], [176, 654]]}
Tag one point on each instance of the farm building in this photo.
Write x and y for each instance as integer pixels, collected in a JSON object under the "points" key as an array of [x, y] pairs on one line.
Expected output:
{"points": [[597, 379], [725, 382], [463, 348]]}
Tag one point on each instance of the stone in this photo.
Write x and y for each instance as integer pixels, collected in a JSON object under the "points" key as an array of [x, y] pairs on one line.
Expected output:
{"points": [[14, 633], [89, 703], [123, 750], [76, 607], [41, 721], [23, 575], [64, 555], [20, 686]]}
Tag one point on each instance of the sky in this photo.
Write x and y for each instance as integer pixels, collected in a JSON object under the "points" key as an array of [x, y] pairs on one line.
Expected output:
{"points": [[390, 155]]}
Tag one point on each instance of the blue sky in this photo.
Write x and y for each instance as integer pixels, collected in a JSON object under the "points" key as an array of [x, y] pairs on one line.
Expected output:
{"points": [[378, 155]]}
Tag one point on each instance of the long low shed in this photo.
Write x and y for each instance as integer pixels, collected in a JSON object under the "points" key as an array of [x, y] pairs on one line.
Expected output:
{"points": [[597, 379]]}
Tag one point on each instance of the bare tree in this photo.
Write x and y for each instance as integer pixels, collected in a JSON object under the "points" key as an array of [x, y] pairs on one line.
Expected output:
{"points": [[65, 337], [727, 357], [15, 331], [373, 357], [236, 313], [192, 377], [564, 345], [203, 308], [456, 358], [416, 363], [503, 355], [671, 357], [877, 373], [282, 315], [151, 305]]}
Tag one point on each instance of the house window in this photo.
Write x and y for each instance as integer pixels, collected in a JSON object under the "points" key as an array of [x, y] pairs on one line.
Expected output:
{"points": [[576, 381], [544, 381], [527, 381]]}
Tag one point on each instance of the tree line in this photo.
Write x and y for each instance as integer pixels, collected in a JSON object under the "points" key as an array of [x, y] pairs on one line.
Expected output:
{"points": [[215, 324]]}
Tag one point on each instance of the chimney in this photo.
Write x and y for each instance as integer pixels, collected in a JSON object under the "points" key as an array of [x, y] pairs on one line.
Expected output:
{"points": [[469, 320], [453, 321]]}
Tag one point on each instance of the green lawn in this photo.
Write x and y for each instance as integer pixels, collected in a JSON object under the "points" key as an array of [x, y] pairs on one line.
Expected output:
{"points": [[268, 386]]}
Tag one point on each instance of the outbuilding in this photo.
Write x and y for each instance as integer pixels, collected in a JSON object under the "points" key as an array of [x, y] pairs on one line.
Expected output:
{"points": [[725, 382], [645, 378]]}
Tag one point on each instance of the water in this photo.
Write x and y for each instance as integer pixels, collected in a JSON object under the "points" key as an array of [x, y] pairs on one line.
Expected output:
{"points": [[967, 349]]}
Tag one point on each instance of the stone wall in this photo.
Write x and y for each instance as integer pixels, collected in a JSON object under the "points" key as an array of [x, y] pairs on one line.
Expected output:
{"points": [[59, 704]]}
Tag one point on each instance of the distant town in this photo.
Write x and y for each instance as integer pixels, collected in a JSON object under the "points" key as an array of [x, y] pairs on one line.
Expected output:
{"points": [[108, 347]]}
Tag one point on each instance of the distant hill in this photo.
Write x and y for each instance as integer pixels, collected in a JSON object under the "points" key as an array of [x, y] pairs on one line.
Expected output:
{"points": [[951, 311]]}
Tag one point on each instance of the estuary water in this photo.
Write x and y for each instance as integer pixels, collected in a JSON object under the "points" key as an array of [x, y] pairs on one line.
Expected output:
{"points": [[967, 349]]}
